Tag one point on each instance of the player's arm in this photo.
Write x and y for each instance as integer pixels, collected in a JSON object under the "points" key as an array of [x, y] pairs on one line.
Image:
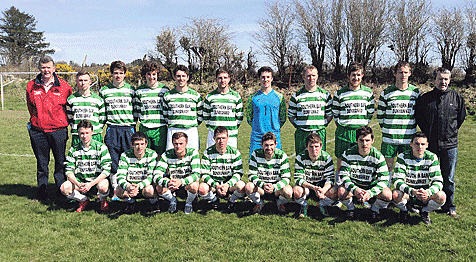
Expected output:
{"points": [[370, 107], [328, 173], [382, 109], [436, 179], [69, 111], [239, 111], [344, 174], [101, 113], [253, 172], [161, 169], [336, 107], [399, 175], [206, 111], [206, 170], [151, 170], [285, 173], [237, 169], [292, 110], [382, 176], [195, 169], [199, 110], [122, 168]]}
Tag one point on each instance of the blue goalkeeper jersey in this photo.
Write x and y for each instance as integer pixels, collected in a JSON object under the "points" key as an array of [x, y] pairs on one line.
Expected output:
{"points": [[266, 112]]}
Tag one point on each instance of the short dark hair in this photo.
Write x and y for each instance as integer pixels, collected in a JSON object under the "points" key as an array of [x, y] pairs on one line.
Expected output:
{"points": [[309, 67], [85, 124], [148, 67], [118, 65], [440, 70], [181, 68], [268, 136], [355, 66], [418, 134], [220, 130], [222, 70], [313, 138], [265, 69], [364, 131], [139, 136], [178, 135], [401, 64], [45, 59], [82, 73]]}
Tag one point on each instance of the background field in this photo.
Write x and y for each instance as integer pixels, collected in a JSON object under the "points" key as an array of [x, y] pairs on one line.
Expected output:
{"points": [[34, 231]]}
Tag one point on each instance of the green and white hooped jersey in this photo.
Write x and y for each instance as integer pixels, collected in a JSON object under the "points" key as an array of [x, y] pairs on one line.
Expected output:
{"points": [[396, 114], [183, 110], [136, 171], [310, 109], [275, 171], [223, 110], [412, 173], [314, 172], [119, 104], [148, 102], [170, 166], [218, 168], [90, 107], [88, 163], [353, 109], [368, 172]]}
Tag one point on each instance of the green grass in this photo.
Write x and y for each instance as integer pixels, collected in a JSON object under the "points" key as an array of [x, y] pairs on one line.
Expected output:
{"points": [[34, 231]]}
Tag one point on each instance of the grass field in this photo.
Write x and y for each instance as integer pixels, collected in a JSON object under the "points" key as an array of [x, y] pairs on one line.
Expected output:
{"points": [[34, 231]]}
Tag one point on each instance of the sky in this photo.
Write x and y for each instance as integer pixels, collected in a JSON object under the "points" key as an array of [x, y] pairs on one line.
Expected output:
{"points": [[125, 30]]}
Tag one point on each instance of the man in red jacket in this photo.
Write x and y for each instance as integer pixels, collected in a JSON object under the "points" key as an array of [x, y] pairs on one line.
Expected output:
{"points": [[46, 99]]}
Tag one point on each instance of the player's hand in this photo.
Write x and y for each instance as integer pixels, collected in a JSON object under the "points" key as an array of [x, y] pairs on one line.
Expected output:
{"points": [[133, 190], [366, 196], [320, 192], [422, 194], [223, 189], [85, 187], [175, 184], [268, 188]]}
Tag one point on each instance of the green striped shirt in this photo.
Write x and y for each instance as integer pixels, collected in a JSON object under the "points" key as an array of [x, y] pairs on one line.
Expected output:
{"points": [[310, 109], [314, 172], [275, 171], [136, 171], [183, 110], [88, 163], [368, 172], [221, 168], [170, 166], [90, 107], [119, 104], [148, 102], [353, 109], [396, 114], [412, 173], [223, 110]]}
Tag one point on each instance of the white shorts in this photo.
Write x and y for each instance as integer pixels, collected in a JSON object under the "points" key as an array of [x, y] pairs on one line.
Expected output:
{"points": [[192, 133], [232, 141]]}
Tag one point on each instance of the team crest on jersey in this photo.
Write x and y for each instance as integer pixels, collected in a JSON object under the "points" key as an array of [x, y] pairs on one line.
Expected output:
{"points": [[276, 166], [37, 93]]}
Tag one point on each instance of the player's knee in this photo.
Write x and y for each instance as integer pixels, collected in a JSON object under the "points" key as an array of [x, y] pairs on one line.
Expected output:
{"points": [[203, 189], [397, 196], [120, 193], [332, 193], [249, 188], [66, 188], [343, 193], [161, 190], [103, 186], [287, 192], [298, 192], [386, 194], [440, 197], [192, 188], [148, 191], [240, 186]]}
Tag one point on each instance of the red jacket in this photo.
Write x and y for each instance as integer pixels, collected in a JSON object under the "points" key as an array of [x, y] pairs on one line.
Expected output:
{"points": [[48, 109]]}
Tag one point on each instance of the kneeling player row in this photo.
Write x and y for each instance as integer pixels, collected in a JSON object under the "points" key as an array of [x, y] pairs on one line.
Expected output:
{"points": [[363, 174]]}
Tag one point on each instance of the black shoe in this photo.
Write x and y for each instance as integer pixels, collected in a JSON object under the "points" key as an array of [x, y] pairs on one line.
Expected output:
{"points": [[214, 204], [403, 216], [41, 194], [425, 217], [154, 208], [231, 207], [130, 208], [375, 217], [350, 214]]}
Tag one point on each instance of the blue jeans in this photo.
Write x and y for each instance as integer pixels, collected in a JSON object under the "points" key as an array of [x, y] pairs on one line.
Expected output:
{"points": [[448, 159]]}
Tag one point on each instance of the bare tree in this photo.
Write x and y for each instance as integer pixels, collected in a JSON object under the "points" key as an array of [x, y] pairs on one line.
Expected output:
{"points": [[312, 18], [335, 34], [469, 50], [448, 33], [276, 34], [410, 17], [166, 46], [367, 22]]}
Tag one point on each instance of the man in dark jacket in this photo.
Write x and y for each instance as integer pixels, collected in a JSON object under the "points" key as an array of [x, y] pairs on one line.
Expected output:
{"points": [[46, 99], [439, 114]]}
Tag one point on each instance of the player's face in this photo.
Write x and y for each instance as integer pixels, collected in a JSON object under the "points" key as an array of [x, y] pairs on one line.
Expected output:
{"points": [[180, 146], [268, 148], [365, 144], [83, 82], [181, 78], [118, 76], [47, 70], [314, 150], [223, 80], [402, 75], [419, 145], [85, 135], [221, 141], [266, 78], [139, 147], [442, 81], [355, 78], [151, 78], [310, 78]]}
